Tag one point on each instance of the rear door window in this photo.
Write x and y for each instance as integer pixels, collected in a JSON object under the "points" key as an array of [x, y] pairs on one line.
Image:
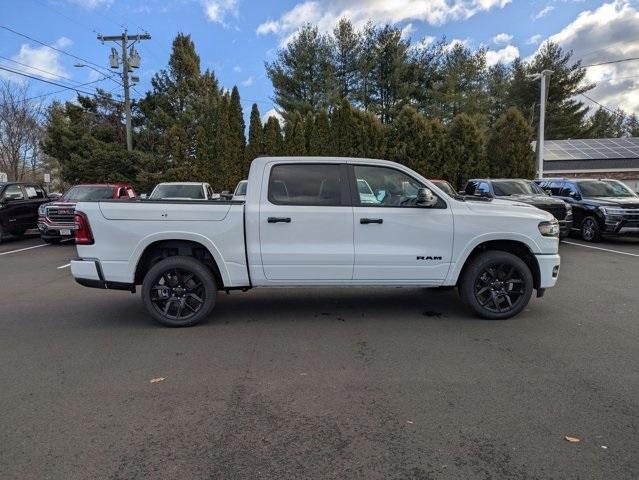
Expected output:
{"points": [[307, 184]]}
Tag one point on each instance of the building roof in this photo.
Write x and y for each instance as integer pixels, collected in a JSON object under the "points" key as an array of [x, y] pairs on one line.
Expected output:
{"points": [[592, 154]]}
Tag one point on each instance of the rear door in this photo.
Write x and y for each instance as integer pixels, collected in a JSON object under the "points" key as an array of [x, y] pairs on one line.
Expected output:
{"points": [[395, 239], [306, 222]]}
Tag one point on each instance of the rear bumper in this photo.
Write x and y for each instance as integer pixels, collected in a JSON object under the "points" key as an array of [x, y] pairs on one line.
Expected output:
{"points": [[548, 270], [88, 273]]}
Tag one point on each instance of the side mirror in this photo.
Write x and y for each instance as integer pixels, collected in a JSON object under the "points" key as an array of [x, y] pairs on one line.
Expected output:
{"points": [[574, 195], [548, 192], [426, 198]]}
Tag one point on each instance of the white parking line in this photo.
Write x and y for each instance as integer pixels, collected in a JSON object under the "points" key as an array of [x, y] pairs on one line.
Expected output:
{"points": [[64, 266], [23, 249], [600, 248]]}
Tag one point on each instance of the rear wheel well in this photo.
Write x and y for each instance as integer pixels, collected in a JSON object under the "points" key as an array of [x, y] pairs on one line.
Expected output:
{"points": [[518, 249], [162, 249]]}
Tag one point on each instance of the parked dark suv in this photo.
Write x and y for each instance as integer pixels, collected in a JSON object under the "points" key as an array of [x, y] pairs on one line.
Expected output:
{"points": [[600, 206], [524, 191], [19, 203]]}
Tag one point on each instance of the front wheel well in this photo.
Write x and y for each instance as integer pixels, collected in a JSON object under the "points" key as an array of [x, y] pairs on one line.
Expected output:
{"points": [[518, 249], [169, 248]]}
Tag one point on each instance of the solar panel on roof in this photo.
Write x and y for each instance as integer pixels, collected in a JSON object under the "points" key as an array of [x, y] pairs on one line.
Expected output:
{"points": [[591, 148]]}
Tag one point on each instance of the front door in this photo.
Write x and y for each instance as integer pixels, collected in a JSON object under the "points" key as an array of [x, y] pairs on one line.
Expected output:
{"points": [[396, 240], [306, 223], [15, 211]]}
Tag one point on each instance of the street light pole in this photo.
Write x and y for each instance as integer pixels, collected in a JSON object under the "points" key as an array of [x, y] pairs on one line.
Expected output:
{"points": [[129, 61], [544, 76]]}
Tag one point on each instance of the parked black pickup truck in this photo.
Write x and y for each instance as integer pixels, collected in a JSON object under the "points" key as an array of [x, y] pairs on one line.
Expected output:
{"points": [[19, 203], [601, 207], [524, 191]]}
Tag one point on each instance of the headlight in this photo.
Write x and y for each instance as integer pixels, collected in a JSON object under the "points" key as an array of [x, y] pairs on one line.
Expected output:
{"points": [[611, 211], [568, 208], [549, 229], [42, 210]]}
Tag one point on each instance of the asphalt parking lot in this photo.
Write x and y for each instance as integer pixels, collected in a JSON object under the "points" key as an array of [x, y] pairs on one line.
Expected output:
{"points": [[327, 383]]}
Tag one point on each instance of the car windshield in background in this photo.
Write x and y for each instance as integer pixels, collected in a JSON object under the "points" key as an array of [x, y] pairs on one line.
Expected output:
{"points": [[620, 185], [178, 191], [241, 188], [600, 188], [81, 194], [445, 186], [505, 188]]}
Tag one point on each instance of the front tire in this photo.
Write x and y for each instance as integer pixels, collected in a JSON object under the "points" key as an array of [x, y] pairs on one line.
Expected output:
{"points": [[179, 291], [590, 231], [496, 285]]}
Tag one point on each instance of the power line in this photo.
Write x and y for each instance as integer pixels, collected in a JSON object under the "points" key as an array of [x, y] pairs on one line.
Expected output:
{"points": [[63, 52], [66, 87], [610, 62], [62, 77], [601, 105]]}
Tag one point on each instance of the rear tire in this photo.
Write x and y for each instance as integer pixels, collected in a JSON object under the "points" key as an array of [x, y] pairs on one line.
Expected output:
{"points": [[179, 291], [590, 231], [496, 285]]}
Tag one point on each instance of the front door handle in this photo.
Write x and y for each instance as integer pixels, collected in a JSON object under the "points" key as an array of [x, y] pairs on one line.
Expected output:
{"points": [[279, 219], [365, 221]]}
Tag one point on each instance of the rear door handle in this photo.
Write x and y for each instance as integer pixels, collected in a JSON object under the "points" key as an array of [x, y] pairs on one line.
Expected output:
{"points": [[279, 219], [365, 221]]}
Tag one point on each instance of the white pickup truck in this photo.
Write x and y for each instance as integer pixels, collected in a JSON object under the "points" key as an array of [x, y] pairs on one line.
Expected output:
{"points": [[318, 222]]}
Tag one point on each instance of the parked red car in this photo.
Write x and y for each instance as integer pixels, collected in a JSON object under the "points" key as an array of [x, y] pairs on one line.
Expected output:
{"points": [[56, 219]]}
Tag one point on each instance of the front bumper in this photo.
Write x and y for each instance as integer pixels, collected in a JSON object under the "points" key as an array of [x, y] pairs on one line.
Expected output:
{"points": [[88, 273], [50, 230], [548, 270]]}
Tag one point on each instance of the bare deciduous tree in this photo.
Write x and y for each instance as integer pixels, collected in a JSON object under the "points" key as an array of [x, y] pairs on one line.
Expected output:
{"points": [[20, 130]]}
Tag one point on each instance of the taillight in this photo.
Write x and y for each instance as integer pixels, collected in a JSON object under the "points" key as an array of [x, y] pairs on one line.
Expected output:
{"points": [[83, 235]]}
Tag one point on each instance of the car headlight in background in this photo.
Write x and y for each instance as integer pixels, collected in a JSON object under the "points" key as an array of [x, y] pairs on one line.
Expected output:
{"points": [[549, 229], [568, 209], [42, 210], [611, 211]]}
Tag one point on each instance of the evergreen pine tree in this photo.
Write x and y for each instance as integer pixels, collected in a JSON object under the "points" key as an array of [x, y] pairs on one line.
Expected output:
{"points": [[237, 155], [255, 146], [273, 141], [342, 130], [294, 136], [509, 149], [320, 140], [223, 175], [369, 135], [464, 151]]}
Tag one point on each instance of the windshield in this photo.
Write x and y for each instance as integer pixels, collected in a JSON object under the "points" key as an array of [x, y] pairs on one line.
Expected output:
{"points": [[446, 187], [241, 188], [178, 191], [601, 188], [621, 185], [505, 188], [84, 193]]}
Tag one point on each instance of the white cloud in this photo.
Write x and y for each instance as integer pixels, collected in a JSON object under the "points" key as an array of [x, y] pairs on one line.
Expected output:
{"points": [[273, 113], [248, 82], [42, 61], [325, 14], [543, 12], [91, 4], [237, 69], [217, 11], [423, 43], [504, 55], [464, 42], [533, 40], [502, 39], [610, 32], [407, 31]]}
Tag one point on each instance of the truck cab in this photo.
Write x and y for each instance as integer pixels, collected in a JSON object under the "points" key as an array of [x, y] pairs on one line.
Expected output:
{"points": [[19, 203]]}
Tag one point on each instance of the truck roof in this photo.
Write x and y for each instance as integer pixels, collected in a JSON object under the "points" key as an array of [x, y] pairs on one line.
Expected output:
{"points": [[263, 160], [182, 183]]}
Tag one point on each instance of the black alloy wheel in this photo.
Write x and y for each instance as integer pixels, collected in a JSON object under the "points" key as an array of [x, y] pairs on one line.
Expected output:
{"points": [[179, 291], [496, 285], [590, 230]]}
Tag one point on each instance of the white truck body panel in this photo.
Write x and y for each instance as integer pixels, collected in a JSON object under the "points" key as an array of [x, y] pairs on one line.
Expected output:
{"points": [[322, 245]]}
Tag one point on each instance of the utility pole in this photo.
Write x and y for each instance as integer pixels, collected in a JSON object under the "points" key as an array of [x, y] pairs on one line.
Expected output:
{"points": [[544, 76], [130, 60]]}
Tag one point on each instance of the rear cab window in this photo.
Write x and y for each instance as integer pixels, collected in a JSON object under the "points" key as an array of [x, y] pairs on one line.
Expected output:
{"points": [[308, 184]]}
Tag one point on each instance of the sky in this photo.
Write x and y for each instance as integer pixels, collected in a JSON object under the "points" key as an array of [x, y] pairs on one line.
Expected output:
{"points": [[235, 37]]}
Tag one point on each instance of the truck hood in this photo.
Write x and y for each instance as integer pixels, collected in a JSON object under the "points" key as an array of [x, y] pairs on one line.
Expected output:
{"points": [[628, 202], [536, 200], [509, 207]]}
